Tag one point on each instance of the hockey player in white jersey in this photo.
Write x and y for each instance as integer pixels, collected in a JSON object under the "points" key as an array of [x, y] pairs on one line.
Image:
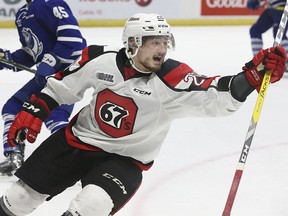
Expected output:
{"points": [[112, 140]]}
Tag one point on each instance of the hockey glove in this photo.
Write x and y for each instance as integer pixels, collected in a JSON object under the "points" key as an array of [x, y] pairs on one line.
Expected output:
{"points": [[253, 4], [49, 65], [272, 59], [6, 54], [28, 121]]}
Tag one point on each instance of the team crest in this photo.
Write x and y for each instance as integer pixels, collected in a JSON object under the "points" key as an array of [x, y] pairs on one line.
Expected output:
{"points": [[115, 114], [34, 46]]}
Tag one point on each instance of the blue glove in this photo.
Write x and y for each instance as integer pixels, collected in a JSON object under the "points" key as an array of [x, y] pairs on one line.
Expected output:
{"points": [[49, 65], [253, 4], [6, 54]]}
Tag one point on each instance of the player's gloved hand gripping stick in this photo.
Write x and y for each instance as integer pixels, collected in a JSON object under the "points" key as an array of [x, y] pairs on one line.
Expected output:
{"points": [[28, 122], [253, 123]]}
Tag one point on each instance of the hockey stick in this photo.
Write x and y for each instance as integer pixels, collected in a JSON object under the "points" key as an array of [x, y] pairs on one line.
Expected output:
{"points": [[254, 121], [19, 66]]}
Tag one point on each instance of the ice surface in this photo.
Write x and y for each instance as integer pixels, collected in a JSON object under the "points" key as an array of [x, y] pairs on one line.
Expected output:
{"points": [[194, 171]]}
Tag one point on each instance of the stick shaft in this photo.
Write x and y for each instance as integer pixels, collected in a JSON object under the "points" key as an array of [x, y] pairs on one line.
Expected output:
{"points": [[17, 65], [254, 121]]}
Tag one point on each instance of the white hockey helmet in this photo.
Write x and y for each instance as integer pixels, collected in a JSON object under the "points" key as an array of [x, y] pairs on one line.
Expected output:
{"points": [[142, 24]]}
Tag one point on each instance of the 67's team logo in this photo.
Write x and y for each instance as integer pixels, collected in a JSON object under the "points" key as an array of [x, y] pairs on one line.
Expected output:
{"points": [[115, 114]]}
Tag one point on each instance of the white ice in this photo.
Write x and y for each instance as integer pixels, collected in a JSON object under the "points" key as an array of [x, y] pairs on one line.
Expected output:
{"points": [[194, 171]]}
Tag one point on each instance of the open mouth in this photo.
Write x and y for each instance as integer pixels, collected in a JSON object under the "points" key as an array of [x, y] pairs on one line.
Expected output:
{"points": [[157, 59]]}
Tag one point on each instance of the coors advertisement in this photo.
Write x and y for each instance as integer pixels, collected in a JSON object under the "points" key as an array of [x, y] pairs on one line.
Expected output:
{"points": [[227, 7]]}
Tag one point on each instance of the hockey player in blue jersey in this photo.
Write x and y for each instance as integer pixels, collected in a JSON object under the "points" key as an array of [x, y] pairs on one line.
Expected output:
{"points": [[270, 18], [50, 38]]}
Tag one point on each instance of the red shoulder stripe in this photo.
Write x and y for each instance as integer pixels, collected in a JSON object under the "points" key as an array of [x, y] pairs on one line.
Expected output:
{"points": [[85, 56], [177, 74]]}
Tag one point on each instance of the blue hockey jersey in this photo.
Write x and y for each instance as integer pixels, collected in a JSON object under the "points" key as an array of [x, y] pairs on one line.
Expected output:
{"points": [[47, 26]]}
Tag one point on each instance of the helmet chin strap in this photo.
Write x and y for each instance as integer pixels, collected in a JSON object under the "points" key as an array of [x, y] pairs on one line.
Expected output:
{"points": [[130, 57]]}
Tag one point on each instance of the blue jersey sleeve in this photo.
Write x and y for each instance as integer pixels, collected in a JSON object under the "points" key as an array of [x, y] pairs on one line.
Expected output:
{"points": [[22, 57], [58, 17]]}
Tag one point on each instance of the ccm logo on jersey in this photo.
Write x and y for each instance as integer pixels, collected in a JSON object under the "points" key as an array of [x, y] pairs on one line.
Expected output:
{"points": [[31, 107], [142, 92]]}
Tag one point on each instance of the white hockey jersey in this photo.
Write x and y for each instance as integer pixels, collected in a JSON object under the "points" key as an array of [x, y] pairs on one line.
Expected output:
{"points": [[131, 112]]}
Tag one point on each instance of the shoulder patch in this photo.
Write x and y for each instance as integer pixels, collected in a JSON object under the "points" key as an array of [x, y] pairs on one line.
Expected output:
{"points": [[172, 72], [177, 74], [180, 77]]}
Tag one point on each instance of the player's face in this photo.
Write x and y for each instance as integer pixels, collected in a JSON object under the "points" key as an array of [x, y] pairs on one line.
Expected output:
{"points": [[151, 54]]}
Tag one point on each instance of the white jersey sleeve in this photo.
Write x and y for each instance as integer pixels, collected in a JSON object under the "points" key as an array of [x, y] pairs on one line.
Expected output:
{"points": [[185, 93], [80, 76]]}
